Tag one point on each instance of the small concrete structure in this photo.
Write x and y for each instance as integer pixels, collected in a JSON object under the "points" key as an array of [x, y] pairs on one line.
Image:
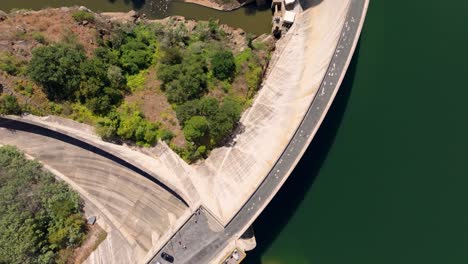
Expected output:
{"points": [[276, 3], [91, 220], [289, 17]]}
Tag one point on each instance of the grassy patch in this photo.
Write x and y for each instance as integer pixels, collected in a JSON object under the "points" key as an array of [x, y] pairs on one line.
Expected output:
{"points": [[137, 82], [39, 37], [82, 114], [10, 64], [81, 16]]}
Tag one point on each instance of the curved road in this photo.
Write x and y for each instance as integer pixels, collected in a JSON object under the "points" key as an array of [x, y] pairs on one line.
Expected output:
{"points": [[203, 242]]}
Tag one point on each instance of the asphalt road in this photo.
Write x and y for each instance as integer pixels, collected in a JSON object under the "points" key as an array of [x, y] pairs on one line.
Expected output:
{"points": [[213, 243]]}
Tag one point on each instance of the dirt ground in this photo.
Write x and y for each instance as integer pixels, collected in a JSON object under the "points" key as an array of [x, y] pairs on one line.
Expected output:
{"points": [[20, 33], [94, 237], [154, 105]]}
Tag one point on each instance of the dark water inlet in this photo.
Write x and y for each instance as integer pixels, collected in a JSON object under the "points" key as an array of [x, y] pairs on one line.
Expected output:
{"points": [[249, 18]]}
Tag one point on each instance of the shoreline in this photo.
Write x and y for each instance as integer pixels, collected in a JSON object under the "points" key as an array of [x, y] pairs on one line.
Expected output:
{"points": [[217, 6]]}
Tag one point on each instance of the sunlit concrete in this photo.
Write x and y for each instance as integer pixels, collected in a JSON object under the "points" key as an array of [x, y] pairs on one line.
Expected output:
{"points": [[231, 174], [225, 182], [134, 211]]}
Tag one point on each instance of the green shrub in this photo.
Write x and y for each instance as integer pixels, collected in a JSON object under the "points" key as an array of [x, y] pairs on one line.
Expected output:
{"points": [[223, 65], [40, 216], [135, 56], [146, 134], [166, 135], [9, 105], [107, 127], [253, 77], [186, 81], [137, 82], [9, 64], [196, 128], [129, 124], [55, 109], [81, 16], [58, 69], [241, 58], [82, 114], [39, 37]]}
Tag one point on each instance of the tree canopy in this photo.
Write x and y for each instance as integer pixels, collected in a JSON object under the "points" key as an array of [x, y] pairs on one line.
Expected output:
{"points": [[39, 216], [196, 128], [9, 105], [224, 66], [57, 67]]}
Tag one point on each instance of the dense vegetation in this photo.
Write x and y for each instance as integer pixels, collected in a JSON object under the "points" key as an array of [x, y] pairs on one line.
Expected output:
{"points": [[40, 219], [206, 84]]}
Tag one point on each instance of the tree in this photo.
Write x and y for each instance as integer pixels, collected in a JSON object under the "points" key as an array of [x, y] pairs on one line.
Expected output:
{"points": [[220, 126], [188, 82], [208, 106], [223, 65], [96, 91], [57, 69], [135, 56], [146, 134], [107, 55], [9, 105], [39, 216], [172, 55], [232, 108], [188, 109], [196, 128], [129, 125], [106, 127], [223, 121], [115, 76]]}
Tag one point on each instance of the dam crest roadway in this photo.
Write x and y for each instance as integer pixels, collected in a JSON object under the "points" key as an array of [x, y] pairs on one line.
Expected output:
{"points": [[150, 200]]}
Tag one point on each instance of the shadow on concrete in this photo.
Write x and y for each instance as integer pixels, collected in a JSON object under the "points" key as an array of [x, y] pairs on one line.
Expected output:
{"points": [[136, 4], [16, 125], [277, 214]]}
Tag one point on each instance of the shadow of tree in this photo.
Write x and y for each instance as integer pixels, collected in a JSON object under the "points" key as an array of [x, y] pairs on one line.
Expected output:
{"points": [[277, 214], [137, 4]]}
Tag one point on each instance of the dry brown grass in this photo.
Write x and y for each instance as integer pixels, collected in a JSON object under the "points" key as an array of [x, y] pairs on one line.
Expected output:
{"points": [[51, 23], [154, 105], [95, 236]]}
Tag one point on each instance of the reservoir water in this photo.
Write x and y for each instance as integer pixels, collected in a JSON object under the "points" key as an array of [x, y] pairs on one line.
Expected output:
{"points": [[385, 181], [248, 18]]}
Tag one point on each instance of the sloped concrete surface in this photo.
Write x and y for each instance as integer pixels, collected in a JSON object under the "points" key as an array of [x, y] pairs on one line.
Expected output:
{"points": [[231, 174], [236, 182], [136, 212], [339, 60]]}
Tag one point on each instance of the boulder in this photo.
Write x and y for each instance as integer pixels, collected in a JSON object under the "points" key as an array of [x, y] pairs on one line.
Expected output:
{"points": [[84, 8], [133, 14], [3, 16]]}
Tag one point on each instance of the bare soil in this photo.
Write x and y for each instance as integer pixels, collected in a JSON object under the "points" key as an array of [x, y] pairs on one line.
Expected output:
{"points": [[94, 237], [154, 105], [18, 31]]}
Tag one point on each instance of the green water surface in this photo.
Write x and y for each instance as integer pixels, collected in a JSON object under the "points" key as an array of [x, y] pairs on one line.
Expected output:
{"points": [[386, 179], [248, 18]]}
